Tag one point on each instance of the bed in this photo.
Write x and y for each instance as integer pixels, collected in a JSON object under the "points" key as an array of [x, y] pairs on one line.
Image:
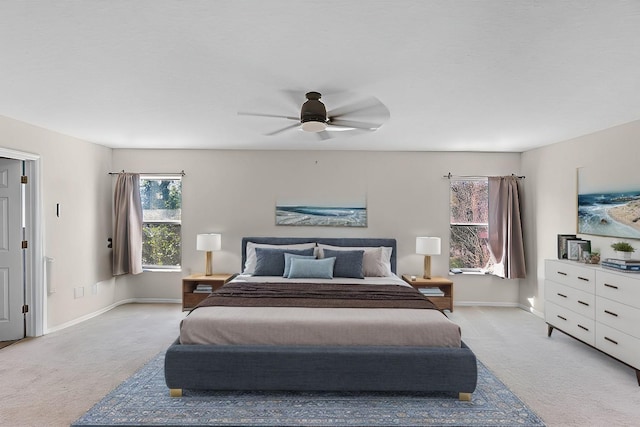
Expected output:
{"points": [[261, 347]]}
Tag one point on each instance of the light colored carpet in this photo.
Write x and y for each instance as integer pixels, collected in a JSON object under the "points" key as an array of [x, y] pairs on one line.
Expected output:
{"points": [[565, 382], [53, 380]]}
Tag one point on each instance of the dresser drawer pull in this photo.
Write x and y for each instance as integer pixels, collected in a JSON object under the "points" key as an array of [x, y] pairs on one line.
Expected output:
{"points": [[584, 303], [586, 329], [563, 318], [610, 340], [611, 313], [562, 273], [610, 286], [561, 295], [583, 278]]}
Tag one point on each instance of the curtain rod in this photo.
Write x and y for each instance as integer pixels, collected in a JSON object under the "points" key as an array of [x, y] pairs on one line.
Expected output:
{"points": [[449, 176], [156, 173]]}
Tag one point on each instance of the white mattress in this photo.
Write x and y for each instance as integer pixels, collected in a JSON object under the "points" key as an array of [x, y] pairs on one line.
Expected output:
{"points": [[319, 326]]}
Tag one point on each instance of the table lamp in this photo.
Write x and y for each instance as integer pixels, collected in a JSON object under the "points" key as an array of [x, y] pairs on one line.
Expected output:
{"points": [[209, 242], [427, 246]]}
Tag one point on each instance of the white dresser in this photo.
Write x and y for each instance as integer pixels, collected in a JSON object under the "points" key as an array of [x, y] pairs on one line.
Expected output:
{"points": [[597, 306]]}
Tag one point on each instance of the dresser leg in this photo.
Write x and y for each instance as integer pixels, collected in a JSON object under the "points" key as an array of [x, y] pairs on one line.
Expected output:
{"points": [[549, 330]]}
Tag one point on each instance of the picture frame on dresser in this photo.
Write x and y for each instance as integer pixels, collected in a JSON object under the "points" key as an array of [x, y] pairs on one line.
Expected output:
{"points": [[562, 244], [575, 248]]}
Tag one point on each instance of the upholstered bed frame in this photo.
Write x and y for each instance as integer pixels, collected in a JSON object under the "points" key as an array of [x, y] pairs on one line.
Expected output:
{"points": [[321, 368]]}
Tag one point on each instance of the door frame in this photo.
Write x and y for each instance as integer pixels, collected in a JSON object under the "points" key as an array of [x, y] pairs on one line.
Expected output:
{"points": [[35, 294]]}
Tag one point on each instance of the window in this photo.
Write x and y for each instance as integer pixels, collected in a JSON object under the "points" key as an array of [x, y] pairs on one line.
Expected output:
{"points": [[469, 225], [161, 199]]}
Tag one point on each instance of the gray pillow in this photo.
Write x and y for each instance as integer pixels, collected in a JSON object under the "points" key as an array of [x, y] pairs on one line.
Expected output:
{"points": [[287, 261], [270, 262], [311, 268], [348, 263]]}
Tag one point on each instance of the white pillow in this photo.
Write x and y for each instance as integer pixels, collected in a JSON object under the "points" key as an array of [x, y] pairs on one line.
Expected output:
{"points": [[375, 263], [251, 260]]}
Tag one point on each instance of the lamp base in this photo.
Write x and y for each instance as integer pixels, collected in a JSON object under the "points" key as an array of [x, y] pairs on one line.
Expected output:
{"points": [[208, 269], [427, 267]]}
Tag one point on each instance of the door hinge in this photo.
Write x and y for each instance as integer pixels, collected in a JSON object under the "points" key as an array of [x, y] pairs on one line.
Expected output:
{"points": [[25, 309], [25, 244], [24, 179]]}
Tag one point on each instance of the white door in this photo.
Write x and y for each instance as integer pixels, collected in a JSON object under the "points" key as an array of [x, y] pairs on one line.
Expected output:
{"points": [[11, 272]]}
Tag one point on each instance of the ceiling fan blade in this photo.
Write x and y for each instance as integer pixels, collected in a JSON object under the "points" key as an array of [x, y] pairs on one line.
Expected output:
{"points": [[275, 132], [354, 124], [372, 106], [245, 113], [324, 135]]}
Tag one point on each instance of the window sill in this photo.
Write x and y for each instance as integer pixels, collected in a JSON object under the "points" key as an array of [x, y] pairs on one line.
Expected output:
{"points": [[468, 272], [161, 270]]}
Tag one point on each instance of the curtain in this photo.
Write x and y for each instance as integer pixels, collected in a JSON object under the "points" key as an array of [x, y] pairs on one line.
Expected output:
{"points": [[505, 228], [127, 239]]}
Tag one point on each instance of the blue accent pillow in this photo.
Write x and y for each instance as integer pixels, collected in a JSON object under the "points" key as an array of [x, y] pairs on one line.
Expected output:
{"points": [[311, 268], [287, 261], [270, 262], [348, 263]]}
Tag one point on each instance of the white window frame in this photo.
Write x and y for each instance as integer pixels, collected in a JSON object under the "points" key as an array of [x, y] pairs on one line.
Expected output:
{"points": [[164, 268], [466, 270]]}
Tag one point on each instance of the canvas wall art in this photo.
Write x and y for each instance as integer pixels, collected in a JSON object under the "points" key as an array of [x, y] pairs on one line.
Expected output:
{"points": [[332, 216], [608, 203]]}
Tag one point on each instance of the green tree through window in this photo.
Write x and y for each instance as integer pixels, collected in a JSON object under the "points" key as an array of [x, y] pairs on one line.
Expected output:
{"points": [[161, 199]]}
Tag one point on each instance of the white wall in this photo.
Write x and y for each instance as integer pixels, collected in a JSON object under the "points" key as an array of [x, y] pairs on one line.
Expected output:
{"points": [[73, 174], [551, 195], [235, 192]]}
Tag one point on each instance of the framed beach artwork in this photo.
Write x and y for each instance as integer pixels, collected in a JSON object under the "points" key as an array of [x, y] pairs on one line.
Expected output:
{"points": [[608, 202], [332, 216]]}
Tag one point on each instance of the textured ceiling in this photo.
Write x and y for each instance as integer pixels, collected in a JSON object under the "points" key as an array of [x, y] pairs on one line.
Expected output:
{"points": [[455, 75]]}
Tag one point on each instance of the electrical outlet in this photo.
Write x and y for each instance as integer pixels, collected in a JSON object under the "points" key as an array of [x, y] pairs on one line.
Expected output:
{"points": [[78, 292], [94, 289]]}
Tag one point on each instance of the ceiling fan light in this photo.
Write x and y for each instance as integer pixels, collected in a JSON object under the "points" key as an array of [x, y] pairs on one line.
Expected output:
{"points": [[313, 126]]}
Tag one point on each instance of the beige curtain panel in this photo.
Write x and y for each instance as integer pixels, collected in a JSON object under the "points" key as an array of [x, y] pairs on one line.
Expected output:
{"points": [[127, 239], [505, 227]]}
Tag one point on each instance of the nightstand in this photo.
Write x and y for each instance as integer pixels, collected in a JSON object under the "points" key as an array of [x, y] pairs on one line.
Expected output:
{"points": [[442, 302], [190, 298]]}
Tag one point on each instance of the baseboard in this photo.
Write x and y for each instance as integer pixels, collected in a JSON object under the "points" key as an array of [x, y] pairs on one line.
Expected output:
{"points": [[111, 307], [532, 310], [500, 304], [485, 304]]}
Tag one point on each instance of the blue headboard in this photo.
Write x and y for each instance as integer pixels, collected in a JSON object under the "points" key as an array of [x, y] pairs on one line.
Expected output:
{"points": [[335, 241]]}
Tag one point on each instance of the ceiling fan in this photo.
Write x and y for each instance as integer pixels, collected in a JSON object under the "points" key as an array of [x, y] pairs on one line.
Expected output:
{"points": [[347, 119]]}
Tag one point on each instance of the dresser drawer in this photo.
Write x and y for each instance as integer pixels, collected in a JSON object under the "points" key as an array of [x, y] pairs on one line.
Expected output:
{"points": [[621, 287], [574, 324], [574, 299], [618, 316], [618, 344], [578, 276]]}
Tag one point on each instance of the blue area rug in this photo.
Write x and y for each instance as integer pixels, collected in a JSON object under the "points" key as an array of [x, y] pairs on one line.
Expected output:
{"points": [[143, 400]]}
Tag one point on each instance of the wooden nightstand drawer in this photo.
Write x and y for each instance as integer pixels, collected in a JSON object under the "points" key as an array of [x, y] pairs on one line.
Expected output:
{"points": [[190, 283], [444, 302]]}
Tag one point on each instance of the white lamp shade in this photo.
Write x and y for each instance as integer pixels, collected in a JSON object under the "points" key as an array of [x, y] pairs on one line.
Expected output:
{"points": [[428, 245], [209, 242]]}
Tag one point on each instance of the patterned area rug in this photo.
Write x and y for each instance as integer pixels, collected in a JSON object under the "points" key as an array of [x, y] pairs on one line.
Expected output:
{"points": [[143, 400]]}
